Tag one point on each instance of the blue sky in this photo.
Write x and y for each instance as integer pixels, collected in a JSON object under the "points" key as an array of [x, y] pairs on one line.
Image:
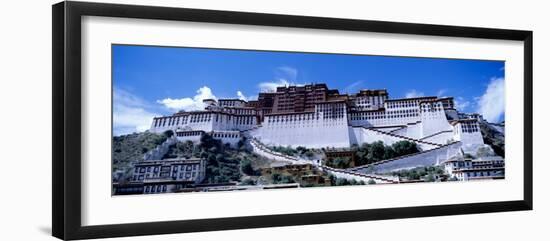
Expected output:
{"points": [[151, 81]]}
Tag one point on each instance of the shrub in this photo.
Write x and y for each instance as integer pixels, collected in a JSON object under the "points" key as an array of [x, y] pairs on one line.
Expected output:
{"points": [[342, 182], [168, 133], [279, 178], [248, 181], [377, 151], [246, 167]]}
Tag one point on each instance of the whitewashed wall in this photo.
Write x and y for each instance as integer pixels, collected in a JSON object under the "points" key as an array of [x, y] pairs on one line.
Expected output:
{"points": [[364, 135], [316, 133], [441, 137]]}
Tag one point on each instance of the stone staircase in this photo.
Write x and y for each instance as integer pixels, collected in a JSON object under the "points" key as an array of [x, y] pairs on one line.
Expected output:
{"points": [[363, 168], [357, 176], [435, 134], [262, 150], [404, 137], [158, 152]]}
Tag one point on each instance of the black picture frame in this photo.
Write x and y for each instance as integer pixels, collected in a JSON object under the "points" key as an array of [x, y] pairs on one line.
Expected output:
{"points": [[66, 127]]}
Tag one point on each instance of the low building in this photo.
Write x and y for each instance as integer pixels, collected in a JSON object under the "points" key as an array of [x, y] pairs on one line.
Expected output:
{"points": [[292, 169], [314, 179], [231, 138], [467, 131], [160, 176], [481, 168], [231, 103], [331, 154]]}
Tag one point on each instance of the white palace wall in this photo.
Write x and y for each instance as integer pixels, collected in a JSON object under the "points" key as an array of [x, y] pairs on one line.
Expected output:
{"points": [[442, 137], [327, 126], [381, 118], [365, 135], [311, 133], [205, 121], [422, 120], [193, 136], [433, 118], [413, 130], [227, 137]]}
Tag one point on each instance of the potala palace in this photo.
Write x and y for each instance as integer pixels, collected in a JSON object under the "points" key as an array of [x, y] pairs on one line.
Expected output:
{"points": [[315, 116]]}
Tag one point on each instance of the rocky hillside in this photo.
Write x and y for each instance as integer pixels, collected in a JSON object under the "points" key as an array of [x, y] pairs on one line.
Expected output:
{"points": [[493, 135]]}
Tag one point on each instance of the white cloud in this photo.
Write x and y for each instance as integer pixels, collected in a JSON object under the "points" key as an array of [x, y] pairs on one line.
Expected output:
{"points": [[241, 96], [271, 86], [491, 104], [289, 72], [413, 94], [353, 87], [284, 76], [130, 113], [441, 92], [187, 103], [461, 104]]}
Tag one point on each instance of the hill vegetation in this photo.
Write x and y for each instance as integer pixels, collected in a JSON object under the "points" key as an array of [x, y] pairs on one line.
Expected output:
{"points": [[372, 152], [224, 164], [427, 173], [130, 148]]}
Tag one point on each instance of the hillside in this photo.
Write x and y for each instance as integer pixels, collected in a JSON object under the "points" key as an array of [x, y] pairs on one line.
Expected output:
{"points": [[223, 162], [493, 135], [130, 148]]}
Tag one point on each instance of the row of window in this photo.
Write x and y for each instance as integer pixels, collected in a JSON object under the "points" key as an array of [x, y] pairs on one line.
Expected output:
{"points": [[156, 169], [231, 103], [489, 163], [188, 175], [430, 107], [246, 120], [481, 174], [477, 164], [225, 135], [383, 115], [188, 133], [242, 111], [288, 118], [200, 118], [467, 127], [404, 104], [370, 99], [156, 189], [306, 125], [169, 121]]}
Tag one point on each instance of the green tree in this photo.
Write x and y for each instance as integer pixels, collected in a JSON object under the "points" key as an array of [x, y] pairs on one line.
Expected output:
{"points": [[241, 142], [168, 133], [342, 182], [247, 182], [404, 148], [484, 151], [246, 167], [389, 153], [430, 178], [376, 151]]}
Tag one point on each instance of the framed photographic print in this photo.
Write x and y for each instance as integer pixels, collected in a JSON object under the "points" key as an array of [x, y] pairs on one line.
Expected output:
{"points": [[169, 120]]}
